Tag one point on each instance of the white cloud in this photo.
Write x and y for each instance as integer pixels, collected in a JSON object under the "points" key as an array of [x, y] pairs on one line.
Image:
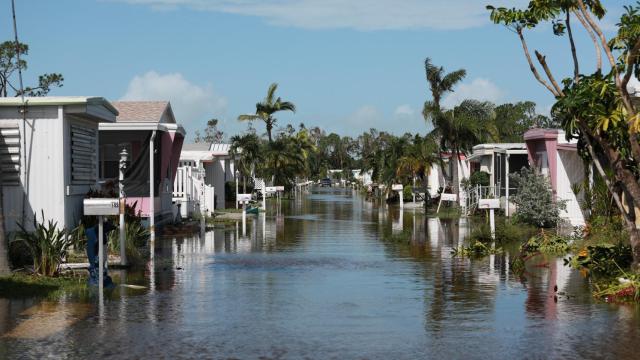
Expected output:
{"points": [[354, 14], [191, 104], [404, 111], [402, 120], [479, 89]]}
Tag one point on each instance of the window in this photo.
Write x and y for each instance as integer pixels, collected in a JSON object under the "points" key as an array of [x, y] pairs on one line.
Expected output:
{"points": [[10, 155], [542, 163], [83, 155]]}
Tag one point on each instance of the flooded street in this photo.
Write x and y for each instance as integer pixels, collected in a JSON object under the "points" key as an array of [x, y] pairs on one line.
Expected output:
{"points": [[331, 276]]}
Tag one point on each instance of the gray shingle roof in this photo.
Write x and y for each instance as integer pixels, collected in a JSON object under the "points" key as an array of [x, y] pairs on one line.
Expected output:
{"points": [[142, 111]]}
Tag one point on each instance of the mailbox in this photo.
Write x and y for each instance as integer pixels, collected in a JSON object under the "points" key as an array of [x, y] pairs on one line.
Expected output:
{"points": [[280, 188], [270, 189], [396, 187], [489, 204], [102, 206], [243, 198], [448, 197]]}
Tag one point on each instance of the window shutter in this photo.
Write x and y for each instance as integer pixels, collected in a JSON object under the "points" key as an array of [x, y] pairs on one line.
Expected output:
{"points": [[10, 155], [83, 155]]}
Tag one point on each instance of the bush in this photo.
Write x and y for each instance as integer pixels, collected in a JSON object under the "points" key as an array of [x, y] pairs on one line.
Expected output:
{"points": [[534, 199], [547, 243], [136, 236], [605, 260], [506, 232], [481, 178], [476, 249], [47, 244]]}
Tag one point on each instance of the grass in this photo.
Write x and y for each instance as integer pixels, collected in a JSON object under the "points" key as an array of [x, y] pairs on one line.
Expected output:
{"points": [[20, 285]]}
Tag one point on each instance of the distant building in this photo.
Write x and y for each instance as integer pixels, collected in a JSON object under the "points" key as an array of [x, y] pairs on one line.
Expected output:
{"points": [[218, 164], [499, 161]]}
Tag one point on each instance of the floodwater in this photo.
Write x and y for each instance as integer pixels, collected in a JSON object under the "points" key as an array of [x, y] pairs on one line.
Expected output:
{"points": [[329, 276]]}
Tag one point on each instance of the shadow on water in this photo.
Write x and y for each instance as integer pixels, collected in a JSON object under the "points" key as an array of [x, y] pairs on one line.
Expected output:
{"points": [[329, 275]]}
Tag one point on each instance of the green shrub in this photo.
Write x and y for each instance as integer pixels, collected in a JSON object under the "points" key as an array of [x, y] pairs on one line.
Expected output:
{"points": [[476, 249], [547, 243], [136, 236], [605, 260], [481, 178], [506, 232], [407, 193], [534, 199], [47, 244]]}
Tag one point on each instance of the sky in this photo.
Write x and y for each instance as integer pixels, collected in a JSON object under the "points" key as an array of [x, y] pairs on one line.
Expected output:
{"points": [[348, 65]]}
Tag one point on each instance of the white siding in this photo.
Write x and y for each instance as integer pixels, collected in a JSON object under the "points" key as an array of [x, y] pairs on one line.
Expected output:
{"points": [[570, 171], [44, 164]]}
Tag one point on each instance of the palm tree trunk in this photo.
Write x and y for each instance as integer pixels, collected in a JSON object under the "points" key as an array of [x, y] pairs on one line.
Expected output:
{"points": [[269, 128], [454, 173]]}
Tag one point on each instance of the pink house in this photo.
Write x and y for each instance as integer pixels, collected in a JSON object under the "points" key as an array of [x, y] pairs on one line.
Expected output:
{"points": [[553, 156], [148, 131]]}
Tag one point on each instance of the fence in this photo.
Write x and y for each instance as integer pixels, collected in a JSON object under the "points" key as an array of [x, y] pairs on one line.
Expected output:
{"points": [[191, 192]]}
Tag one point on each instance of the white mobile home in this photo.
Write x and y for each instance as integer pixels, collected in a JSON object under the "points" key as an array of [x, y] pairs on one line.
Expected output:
{"points": [[218, 165], [552, 155], [49, 148]]}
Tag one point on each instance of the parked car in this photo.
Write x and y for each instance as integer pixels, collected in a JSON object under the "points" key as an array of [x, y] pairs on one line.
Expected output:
{"points": [[325, 182]]}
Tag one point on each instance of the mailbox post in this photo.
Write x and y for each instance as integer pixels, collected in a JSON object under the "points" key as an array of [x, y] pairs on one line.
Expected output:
{"points": [[244, 200], [491, 205], [101, 208], [399, 188]]}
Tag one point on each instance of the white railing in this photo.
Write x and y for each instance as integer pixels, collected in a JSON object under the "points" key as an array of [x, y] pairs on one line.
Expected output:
{"points": [[192, 193]]}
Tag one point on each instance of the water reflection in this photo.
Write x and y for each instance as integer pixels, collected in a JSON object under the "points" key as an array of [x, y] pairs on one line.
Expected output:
{"points": [[330, 275]]}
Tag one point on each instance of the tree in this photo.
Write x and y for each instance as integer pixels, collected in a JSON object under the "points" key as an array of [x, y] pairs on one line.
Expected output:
{"points": [[211, 133], [9, 66], [462, 127], [418, 159], [513, 120], [597, 108], [439, 82], [249, 150], [267, 107]]}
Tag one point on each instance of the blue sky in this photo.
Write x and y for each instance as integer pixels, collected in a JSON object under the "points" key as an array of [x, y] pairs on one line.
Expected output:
{"points": [[347, 65]]}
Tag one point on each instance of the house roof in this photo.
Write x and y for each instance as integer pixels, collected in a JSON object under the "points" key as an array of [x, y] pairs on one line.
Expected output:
{"points": [[502, 146], [220, 149], [144, 111], [196, 147], [59, 100]]}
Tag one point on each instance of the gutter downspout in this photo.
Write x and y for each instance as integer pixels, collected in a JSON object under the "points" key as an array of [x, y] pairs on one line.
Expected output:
{"points": [[152, 197]]}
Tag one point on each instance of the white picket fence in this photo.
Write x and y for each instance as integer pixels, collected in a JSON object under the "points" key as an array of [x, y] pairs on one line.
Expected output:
{"points": [[191, 192]]}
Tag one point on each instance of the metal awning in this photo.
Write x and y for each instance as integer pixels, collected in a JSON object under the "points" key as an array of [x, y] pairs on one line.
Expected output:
{"points": [[142, 126]]}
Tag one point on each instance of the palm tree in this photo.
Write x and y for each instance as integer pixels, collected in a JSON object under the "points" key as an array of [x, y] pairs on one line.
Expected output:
{"points": [[439, 82], [267, 107], [416, 163], [248, 148], [462, 127]]}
